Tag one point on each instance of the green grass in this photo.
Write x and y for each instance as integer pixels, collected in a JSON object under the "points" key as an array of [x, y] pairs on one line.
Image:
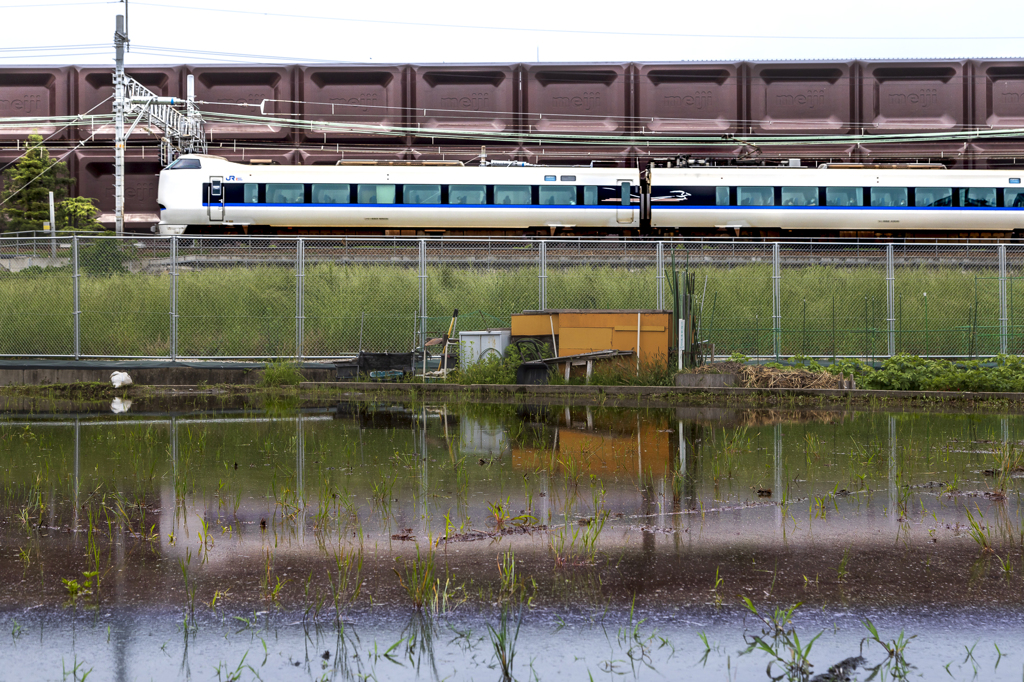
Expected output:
{"points": [[250, 311]]}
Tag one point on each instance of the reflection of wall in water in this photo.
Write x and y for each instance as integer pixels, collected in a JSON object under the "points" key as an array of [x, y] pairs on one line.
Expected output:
{"points": [[602, 443]]}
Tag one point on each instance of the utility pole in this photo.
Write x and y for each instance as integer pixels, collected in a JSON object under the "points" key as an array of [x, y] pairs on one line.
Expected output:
{"points": [[182, 132], [120, 40]]}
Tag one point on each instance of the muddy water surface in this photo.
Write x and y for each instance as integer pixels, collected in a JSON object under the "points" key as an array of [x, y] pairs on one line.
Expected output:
{"points": [[389, 541]]}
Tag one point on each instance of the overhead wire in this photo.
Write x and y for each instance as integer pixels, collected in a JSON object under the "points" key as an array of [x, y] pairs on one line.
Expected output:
{"points": [[53, 134], [645, 34]]}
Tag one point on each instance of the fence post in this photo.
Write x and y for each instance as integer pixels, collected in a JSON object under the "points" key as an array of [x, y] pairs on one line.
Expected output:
{"points": [[174, 299], [543, 283], [1003, 317], [890, 298], [300, 302], [423, 300], [75, 297], [660, 275], [776, 303]]}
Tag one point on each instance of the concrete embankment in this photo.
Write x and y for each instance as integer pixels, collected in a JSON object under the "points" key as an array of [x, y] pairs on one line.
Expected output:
{"points": [[146, 372], [156, 377]]}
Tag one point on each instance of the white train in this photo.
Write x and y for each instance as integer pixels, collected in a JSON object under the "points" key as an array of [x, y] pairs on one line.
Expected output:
{"points": [[209, 194], [825, 199], [201, 193]]}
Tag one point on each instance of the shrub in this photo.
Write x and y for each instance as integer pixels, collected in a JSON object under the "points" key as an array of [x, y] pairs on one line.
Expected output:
{"points": [[493, 368], [281, 373]]}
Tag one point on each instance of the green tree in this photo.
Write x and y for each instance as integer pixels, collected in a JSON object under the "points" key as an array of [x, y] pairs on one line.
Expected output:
{"points": [[78, 213], [25, 199]]}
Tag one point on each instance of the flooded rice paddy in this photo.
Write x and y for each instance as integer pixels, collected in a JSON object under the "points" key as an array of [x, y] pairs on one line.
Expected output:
{"points": [[399, 541]]}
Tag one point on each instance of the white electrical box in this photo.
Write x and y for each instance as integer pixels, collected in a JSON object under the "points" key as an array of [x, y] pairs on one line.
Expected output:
{"points": [[475, 346]]}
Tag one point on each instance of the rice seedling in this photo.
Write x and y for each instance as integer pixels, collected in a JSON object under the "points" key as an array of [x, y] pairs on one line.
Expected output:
{"points": [[270, 585], [779, 640], [981, 534], [842, 571], [344, 583], [504, 638], [189, 621], [896, 664], [416, 576], [637, 646]]}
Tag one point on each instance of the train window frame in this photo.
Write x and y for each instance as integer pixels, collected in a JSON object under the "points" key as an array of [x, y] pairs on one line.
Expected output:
{"points": [[761, 191], [591, 195], [185, 164], [456, 189], [251, 193], [377, 187], [557, 192], [1013, 197], [291, 186], [856, 193], [965, 197], [410, 190], [335, 187], [906, 197], [942, 202], [802, 192], [501, 190], [722, 196]]}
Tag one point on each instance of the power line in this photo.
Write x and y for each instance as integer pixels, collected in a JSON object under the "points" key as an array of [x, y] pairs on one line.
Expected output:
{"points": [[562, 31], [157, 50], [60, 4]]}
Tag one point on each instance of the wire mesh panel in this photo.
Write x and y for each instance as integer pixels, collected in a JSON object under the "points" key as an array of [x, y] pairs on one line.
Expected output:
{"points": [[834, 300], [124, 295], [36, 297], [732, 302], [1014, 288], [486, 280], [603, 275], [360, 294], [236, 297], [947, 299]]}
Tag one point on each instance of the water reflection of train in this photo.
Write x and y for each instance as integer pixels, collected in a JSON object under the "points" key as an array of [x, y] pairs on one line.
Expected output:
{"points": [[201, 194]]}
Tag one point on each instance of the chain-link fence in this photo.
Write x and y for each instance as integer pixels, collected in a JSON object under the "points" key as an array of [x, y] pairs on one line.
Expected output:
{"points": [[241, 297]]}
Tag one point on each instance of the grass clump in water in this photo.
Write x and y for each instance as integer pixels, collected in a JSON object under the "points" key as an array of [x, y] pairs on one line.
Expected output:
{"points": [[281, 373]]}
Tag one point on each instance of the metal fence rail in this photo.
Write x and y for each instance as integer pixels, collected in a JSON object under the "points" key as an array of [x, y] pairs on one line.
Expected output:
{"points": [[89, 296]]}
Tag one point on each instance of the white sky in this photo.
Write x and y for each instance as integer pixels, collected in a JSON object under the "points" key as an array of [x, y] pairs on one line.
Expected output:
{"points": [[175, 31]]}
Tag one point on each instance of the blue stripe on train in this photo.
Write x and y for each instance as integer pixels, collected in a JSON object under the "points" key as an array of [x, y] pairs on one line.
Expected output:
{"points": [[489, 206]]}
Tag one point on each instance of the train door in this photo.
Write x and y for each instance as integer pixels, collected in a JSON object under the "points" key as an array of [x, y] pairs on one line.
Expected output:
{"points": [[215, 199], [624, 215]]}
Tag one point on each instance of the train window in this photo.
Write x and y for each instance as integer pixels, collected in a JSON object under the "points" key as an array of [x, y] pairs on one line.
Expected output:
{"points": [[799, 196], [467, 194], [560, 196], [421, 194], [888, 196], [185, 164], [975, 197], [844, 196], [512, 194], [590, 195], [331, 194], [1013, 198], [291, 193], [933, 196], [250, 193], [721, 196], [376, 194], [755, 196]]}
